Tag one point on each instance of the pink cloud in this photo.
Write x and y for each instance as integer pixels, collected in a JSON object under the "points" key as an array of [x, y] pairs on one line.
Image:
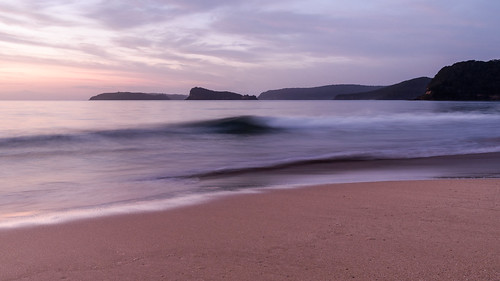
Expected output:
{"points": [[244, 46]]}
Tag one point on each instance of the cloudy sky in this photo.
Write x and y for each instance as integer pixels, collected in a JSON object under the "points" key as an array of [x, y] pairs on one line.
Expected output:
{"points": [[73, 49]]}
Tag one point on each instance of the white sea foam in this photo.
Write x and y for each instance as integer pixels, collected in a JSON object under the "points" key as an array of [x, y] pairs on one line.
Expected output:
{"points": [[75, 155]]}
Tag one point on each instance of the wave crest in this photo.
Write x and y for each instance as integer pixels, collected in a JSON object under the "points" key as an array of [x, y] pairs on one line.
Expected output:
{"points": [[240, 125]]}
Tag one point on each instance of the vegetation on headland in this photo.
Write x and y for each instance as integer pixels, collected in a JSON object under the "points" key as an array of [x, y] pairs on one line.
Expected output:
{"points": [[406, 90], [462, 81], [198, 93], [466, 81], [136, 96], [328, 92]]}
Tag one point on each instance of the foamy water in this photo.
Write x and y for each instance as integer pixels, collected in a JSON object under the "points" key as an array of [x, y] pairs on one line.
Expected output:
{"points": [[75, 159]]}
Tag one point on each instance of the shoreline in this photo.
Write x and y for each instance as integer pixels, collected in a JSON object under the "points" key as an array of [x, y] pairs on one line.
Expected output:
{"points": [[401, 230]]}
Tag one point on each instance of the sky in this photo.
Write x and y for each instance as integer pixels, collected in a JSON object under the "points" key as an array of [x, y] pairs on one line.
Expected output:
{"points": [[73, 49]]}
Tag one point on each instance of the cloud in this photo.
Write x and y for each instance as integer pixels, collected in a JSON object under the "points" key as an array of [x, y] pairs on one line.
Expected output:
{"points": [[327, 33], [129, 14], [34, 14], [269, 43]]}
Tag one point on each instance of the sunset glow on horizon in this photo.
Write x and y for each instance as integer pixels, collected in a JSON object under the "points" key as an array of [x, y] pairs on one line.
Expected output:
{"points": [[76, 49]]}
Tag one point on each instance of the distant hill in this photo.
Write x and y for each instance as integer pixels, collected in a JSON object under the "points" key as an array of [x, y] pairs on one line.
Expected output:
{"points": [[176, 97], [198, 93], [406, 90], [316, 93], [466, 81], [134, 96]]}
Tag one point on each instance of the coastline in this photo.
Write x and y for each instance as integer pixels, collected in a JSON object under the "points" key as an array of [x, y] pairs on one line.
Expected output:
{"points": [[401, 230]]}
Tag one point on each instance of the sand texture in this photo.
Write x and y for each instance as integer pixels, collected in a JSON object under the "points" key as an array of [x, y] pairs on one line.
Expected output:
{"points": [[417, 230]]}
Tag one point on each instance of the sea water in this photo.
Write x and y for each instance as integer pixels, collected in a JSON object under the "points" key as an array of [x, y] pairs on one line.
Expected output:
{"points": [[68, 159]]}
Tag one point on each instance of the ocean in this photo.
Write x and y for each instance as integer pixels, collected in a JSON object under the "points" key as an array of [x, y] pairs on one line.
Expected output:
{"points": [[63, 160]]}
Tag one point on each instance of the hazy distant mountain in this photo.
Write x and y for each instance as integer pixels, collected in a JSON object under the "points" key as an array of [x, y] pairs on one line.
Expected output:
{"points": [[134, 96], [466, 81], [316, 93], [198, 93], [176, 96], [469, 80], [406, 90]]}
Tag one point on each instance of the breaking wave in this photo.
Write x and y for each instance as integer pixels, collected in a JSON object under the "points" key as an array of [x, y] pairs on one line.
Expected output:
{"points": [[240, 125]]}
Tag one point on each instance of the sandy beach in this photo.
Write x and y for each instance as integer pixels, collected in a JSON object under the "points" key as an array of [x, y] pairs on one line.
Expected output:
{"points": [[408, 230]]}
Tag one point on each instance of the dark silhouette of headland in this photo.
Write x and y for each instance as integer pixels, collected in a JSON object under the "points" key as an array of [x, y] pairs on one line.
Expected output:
{"points": [[463, 81], [136, 96], [406, 90], [466, 81], [328, 92], [199, 93]]}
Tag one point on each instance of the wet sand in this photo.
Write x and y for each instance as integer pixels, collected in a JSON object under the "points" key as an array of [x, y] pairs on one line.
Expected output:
{"points": [[408, 230]]}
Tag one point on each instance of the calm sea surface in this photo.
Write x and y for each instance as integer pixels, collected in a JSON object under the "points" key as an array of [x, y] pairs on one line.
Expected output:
{"points": [[70, 159]]}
